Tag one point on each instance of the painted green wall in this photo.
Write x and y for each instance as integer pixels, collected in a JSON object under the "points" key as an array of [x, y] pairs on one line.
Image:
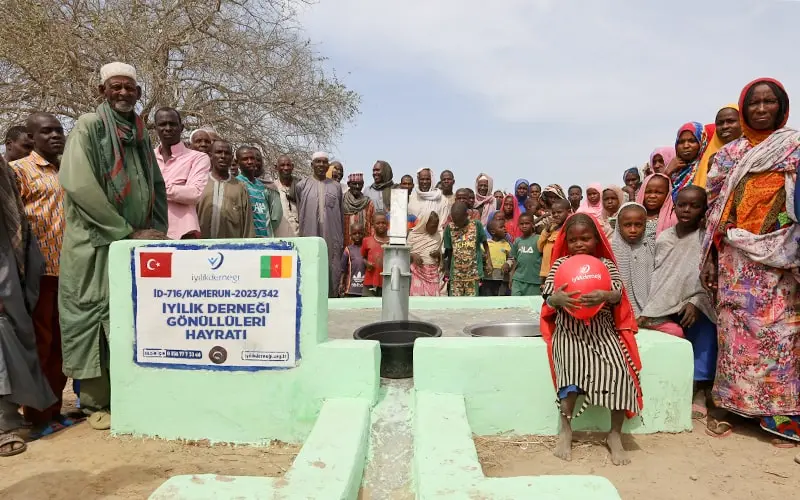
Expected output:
{"points": [[507, 386], [239, 407]]}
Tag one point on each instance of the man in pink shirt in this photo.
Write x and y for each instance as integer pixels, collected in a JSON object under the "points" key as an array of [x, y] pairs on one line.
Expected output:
{"points": [[185, 173]]}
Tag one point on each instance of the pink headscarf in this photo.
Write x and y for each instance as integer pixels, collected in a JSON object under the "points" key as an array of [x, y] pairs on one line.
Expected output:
{"points": [[666, 152], [587, 208], [666, 216]]}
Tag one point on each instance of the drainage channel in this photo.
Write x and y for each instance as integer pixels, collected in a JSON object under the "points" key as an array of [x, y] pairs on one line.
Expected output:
{"points": [[388, 475]]}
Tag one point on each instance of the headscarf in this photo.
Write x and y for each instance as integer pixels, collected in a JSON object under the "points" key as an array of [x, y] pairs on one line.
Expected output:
{"points": [[329, 173], [520, 200], [635, 263], [587, 208], [423, 243], [666, 216], [605, 215], [624, 320], [386, 183], [484, 204], [714, 145], [632, 170], [511, 225], [431, 199], [555, 189], [686, 175], [666, 152], [756, 137]]}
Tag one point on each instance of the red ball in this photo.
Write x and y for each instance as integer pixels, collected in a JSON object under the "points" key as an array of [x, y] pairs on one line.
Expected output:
{"points": [[583, 274]]}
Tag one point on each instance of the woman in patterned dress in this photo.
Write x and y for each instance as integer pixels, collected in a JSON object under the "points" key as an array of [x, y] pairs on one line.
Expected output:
{"points": [[598, 358], [751, 264]]}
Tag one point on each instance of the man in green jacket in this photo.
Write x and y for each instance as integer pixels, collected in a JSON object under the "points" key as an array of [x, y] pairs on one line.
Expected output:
{"points": [[113, 191]]}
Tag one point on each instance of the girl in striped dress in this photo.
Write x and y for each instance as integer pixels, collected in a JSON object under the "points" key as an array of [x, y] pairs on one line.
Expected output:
{"points": [[596, 358]]}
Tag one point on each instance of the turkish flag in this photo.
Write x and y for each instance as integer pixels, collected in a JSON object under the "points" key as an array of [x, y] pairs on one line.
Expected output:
{"points": [[155, 264]]}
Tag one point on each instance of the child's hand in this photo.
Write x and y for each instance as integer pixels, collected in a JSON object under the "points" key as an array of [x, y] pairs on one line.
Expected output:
{"points": [[488, 268], [416, 259], [506, 268], [594, 298], [563, 299], [688, 314], [436, 254], [370, 266]]}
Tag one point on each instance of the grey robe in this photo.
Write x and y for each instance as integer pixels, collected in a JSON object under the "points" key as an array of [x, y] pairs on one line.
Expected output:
{"points": [[322, 214], [21, 378]]}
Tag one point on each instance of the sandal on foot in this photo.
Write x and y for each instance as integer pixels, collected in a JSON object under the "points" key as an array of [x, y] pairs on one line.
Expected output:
{"points": [[100, 420], [9, 440], [783, 444], [786, 427], [699, 412], [719, 435]]}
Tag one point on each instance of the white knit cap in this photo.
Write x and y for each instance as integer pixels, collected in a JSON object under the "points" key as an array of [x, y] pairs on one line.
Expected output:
{"points": [[319, 155], [117, 69]]}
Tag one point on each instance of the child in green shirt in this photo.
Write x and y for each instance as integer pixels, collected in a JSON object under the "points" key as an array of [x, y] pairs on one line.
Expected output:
{"points": [[525, 278]]}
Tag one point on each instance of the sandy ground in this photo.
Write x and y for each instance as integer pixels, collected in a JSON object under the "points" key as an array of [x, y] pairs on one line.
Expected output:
{"points": [[664, 466], [80, 462]]}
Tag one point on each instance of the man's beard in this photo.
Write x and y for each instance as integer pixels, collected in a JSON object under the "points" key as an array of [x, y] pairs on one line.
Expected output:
{"points": [[122, 106]]}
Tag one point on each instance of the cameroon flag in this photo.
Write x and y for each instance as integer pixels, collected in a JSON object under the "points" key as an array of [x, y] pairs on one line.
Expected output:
{"points": [[276, 266]]}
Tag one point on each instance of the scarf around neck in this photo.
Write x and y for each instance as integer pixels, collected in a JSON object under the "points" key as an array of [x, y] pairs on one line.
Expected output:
{"points": [[119, 132], [353, 205]]}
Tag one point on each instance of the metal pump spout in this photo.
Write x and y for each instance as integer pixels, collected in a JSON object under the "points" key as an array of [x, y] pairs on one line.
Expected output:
{"points": [[396, 262]]}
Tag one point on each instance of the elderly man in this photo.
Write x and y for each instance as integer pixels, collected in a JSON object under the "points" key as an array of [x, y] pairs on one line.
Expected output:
{"points": [[21, 379], [113, 190], [322, 214], [43, 200], [426, 199], [185, 175]]}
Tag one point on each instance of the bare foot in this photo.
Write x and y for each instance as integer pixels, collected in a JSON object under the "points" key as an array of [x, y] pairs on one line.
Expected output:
{"points": [[618, 454], [564, 447]]}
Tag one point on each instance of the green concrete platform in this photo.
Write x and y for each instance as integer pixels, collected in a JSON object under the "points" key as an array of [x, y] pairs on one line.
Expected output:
{"points": [[329, 467], [446, 465], [507, 387]]}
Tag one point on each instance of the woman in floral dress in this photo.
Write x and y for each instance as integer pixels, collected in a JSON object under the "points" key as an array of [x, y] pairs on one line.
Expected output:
{"points": [[751, 264]]}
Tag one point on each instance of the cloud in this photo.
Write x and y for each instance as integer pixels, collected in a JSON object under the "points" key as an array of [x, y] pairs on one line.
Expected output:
{"points": [[597, 69]]}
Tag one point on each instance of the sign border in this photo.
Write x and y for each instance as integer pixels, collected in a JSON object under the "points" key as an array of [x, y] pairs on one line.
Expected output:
{"points": [[180, 245]]}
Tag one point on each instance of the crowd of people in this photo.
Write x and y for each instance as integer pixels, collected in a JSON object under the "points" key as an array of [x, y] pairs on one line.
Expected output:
{"points": [[701, 243]]}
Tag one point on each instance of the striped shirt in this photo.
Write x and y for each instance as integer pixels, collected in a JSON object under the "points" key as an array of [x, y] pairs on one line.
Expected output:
{"points": [[43, 198]]}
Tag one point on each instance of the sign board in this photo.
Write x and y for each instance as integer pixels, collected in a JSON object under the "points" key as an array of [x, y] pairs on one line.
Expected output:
{"points": [[216, 306]]}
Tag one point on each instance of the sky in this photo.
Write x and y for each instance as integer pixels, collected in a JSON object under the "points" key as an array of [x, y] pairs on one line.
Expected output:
{"points": [[553, 91]]}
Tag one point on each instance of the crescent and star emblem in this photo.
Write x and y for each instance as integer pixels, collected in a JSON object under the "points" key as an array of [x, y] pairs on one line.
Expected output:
{"points": [[152, 264]]}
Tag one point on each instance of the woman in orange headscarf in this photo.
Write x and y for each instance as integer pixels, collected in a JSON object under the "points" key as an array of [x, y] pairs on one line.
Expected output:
{"points": [[727, 129], [750, 262]]}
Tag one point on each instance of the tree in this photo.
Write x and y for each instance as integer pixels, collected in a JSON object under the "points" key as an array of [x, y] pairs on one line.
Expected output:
{"points": [[240, 66]]}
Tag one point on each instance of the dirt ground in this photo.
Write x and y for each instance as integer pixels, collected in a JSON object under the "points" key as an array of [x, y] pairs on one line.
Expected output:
{"points": [[664, 466], [80, 462]]}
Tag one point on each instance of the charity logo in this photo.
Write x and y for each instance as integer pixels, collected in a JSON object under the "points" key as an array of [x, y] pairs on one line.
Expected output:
{"points": [[216, 262], [218, 355], [585, 269], [155, 264]]}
